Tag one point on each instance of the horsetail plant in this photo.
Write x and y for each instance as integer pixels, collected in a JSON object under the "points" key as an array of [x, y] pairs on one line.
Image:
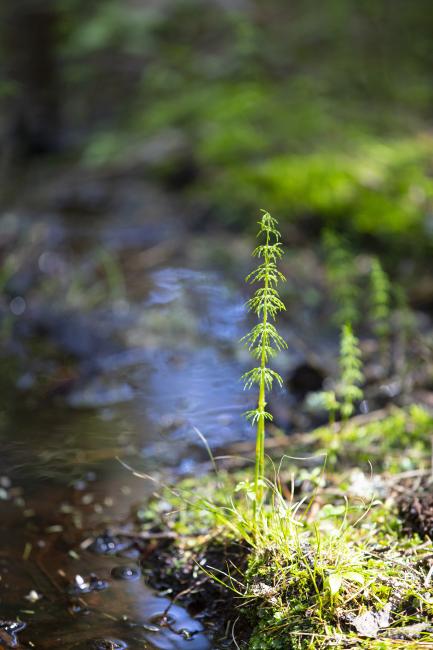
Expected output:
{"points": [[351, 372], [380, 304], [263, 340], [342, 276]]}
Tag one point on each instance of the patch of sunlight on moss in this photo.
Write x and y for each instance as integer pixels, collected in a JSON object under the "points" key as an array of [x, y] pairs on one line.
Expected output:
{"points": [[381, 188], [381, 441]]}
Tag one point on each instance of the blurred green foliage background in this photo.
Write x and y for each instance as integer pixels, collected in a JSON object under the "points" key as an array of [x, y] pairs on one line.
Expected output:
{"points": [[318, 111]]}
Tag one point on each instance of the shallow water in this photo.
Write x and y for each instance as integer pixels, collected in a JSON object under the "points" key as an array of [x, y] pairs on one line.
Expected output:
{"points": [[176, 371], [134, 377], [38, 530]]}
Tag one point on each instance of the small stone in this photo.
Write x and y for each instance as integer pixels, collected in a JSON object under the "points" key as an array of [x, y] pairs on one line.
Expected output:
{"points": [[66, 508], [33, 596], [369, 623], [130, 553], [107, 644], [87, 585], [56, 528], [107, 545]]}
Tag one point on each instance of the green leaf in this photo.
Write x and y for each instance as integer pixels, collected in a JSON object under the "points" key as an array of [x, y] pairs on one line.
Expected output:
{"points": [[329, 510], [335, 580], [353, 576]]}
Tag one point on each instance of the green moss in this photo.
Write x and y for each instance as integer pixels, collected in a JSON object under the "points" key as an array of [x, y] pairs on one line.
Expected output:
{"points": [[317, 561], [382, 188], [317, 110], [381, 441]]}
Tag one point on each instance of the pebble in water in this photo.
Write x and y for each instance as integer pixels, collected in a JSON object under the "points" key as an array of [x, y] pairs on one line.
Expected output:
{"points": [[130, 553], [87, 585], [126, 573], [108, 545], [107, 644]]}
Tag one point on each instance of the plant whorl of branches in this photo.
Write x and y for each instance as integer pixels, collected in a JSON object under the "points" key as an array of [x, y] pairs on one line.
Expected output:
{"points": [[381, 298], [263, 340], [351, 371]]}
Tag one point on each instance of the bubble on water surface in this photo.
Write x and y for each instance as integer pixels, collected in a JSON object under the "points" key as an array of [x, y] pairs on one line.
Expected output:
{"points": [[125, 573]]}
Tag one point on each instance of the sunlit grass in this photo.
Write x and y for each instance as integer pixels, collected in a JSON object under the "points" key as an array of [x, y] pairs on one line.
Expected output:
{"points": [[314, 571]]}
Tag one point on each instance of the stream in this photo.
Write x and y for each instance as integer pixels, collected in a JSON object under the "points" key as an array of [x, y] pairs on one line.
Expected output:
{"points": [[126, 357]]}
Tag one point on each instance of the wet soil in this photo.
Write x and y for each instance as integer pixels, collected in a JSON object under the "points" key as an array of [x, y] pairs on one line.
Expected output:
{"points": [[415, 504], [168, 567]]}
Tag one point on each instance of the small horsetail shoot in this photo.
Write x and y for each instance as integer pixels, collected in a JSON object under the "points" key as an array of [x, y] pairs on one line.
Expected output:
{"points": [[263, 340]]}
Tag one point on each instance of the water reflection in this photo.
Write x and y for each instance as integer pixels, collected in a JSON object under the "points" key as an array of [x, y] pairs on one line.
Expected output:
{"points": [[171, 364], [177, 367]]}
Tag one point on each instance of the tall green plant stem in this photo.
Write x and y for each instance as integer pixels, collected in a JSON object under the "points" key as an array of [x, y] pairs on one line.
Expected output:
{"points": [[351, 372], [263, 340], [260, 451], [260, 442]]}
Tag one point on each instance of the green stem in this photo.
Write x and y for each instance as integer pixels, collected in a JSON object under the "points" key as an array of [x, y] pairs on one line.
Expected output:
{"points": [[260, 449], [260, 435]]}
